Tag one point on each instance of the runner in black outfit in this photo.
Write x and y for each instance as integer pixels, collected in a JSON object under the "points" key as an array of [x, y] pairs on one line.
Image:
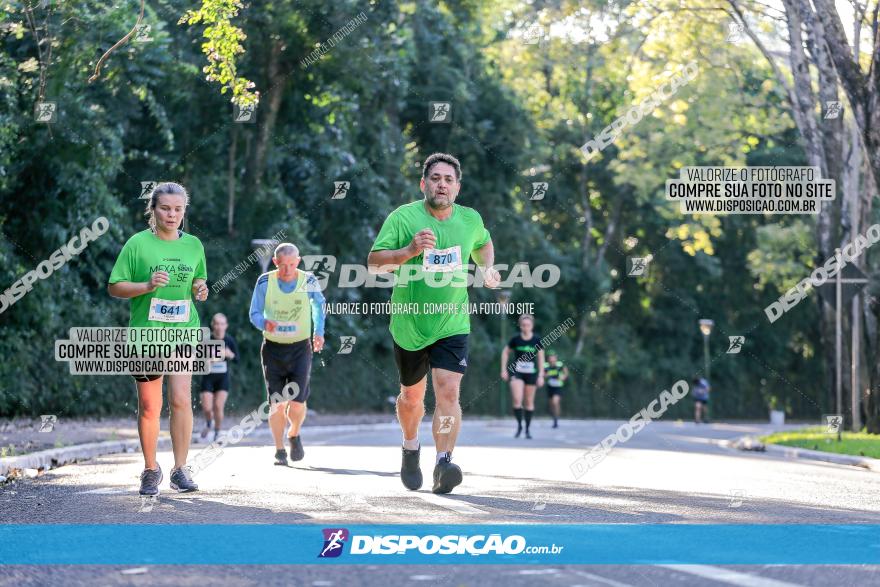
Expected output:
{"points": [[525, 372], [216, 384]]}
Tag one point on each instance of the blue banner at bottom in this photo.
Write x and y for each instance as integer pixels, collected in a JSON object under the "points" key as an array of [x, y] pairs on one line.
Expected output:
{"points": [[516, 544]]}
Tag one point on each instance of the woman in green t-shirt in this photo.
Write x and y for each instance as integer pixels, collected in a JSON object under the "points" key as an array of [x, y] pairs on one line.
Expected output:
{"points": [[162, 270]]}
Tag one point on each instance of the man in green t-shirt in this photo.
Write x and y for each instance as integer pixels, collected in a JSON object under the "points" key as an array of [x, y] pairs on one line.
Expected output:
{"points": [[428, 244]]}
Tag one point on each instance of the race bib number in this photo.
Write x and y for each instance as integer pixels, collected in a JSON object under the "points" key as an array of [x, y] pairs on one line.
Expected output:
{"points": [[285, 329], [525, 367], [554, 382], [441, 260], [169, 310], [219, 367]]}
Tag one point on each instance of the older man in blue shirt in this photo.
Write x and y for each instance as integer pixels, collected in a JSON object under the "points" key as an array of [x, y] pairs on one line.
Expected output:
{"points": [[288, 308]]}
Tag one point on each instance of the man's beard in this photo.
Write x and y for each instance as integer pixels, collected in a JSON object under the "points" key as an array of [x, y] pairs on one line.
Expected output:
{"points": [[435, 204]]}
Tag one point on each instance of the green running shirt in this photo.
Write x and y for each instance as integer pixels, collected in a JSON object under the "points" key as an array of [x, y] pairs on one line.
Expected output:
{"points": [[462, 233], [170, 306]]}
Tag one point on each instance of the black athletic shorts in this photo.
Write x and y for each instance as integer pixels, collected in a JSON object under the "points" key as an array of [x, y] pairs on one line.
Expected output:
{"points": [[147, 377], [215, 382], [527, 378], [286, 363], [448, 353], [551, 391]]}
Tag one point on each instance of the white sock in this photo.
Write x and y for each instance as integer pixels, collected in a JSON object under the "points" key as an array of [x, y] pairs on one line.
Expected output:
{"points": [[441, 456], [411, 444]]}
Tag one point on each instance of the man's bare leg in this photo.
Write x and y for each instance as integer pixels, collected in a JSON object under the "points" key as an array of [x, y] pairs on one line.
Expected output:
{"points": [[277, 419], [410, 411], [447, 413], [447, 423], [296, 415], [411, 408]]}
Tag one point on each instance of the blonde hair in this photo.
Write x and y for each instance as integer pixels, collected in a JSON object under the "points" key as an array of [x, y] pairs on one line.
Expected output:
{"points": [[524, 317], [162, 189]]}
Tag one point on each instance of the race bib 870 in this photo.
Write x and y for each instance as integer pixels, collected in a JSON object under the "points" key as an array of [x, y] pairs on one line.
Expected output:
{"points": [[169, 310], [444, 260]]}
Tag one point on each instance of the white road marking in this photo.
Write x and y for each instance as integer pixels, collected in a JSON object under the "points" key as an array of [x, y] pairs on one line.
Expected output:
{"points": [[728, 576], [106, 491], [603, 580], [450, 504]]}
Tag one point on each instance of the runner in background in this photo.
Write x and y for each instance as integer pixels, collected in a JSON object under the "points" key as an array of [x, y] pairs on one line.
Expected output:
{"points": [[288, 308], [525, 372], [216, 384], [556, 373], [161, 270], [700, 393]]}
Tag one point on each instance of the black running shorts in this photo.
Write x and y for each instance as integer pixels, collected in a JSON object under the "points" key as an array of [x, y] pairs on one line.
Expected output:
{"points": [[527, 378], [448, 353], [215, 382], [286, 363]]}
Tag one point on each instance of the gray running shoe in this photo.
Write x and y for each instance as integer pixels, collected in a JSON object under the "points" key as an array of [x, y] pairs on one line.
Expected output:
{"points": [[410, 471], [296, 449], [182, 481], [447, 475], [150, 480]]}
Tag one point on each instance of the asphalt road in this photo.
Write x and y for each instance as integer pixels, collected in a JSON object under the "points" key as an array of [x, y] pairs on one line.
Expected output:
{"points": [[669, 473]]}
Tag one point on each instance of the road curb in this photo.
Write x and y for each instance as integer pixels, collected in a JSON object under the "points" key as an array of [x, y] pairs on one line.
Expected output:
{"points": [[750, 443], [56, 457]]}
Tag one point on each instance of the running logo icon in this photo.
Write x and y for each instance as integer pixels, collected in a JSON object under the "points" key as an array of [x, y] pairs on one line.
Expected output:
{"points": [[143, 33], [147, 188], [446, 423], [346, 345], [47, 423], [736, 343], [334, 539], [45, 111], [832, 110], [245, 113], [440, 112], [340, 190], [735, 32], [321, 266], [539, 190], [833, 423], [637, 266], [533, 35], [737, 496]]}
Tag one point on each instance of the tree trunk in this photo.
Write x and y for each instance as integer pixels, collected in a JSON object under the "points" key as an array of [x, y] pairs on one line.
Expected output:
{"points": [[230, 180], [274, 94]]}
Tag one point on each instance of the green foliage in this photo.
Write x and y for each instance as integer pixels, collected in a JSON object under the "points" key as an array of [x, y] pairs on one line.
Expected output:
{"points": [[360, 114], [222, 45]]}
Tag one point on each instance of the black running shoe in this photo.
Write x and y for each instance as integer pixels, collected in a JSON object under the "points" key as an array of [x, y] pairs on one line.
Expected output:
{"points": [[528, 434], [182, 481], [446, 476], [281, 457], [556, 424], [296, 449], [150, 480], [410, 471], [518, 432]]}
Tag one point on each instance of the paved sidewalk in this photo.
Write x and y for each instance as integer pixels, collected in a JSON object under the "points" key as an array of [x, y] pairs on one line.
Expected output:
{"points": [[22, 436]]}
